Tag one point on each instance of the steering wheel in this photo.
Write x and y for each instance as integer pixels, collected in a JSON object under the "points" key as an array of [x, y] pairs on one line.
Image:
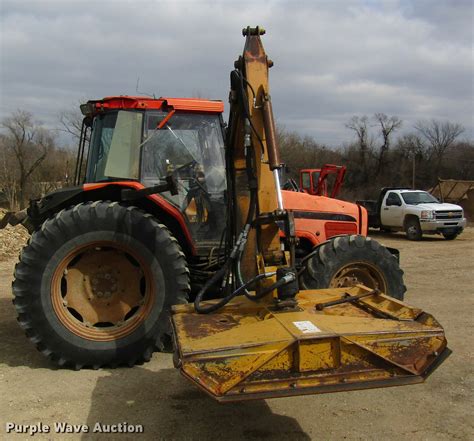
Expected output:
{"points": [[190, 164], [192, 178]]}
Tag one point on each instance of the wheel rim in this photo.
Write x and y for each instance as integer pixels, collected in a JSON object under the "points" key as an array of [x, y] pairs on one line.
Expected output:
{"points": [[102, 291], [412, 230], [359, 273]]}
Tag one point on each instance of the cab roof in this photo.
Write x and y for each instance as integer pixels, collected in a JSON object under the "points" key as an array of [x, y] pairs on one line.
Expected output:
{"points": [[93, 107]]}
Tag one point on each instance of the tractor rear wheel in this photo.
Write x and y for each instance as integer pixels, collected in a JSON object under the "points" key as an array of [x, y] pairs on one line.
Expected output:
{"points": [[346, 261], [94, 286]]}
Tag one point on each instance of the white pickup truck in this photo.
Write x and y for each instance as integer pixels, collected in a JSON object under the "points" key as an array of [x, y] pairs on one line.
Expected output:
{"points": [[414, 211]]}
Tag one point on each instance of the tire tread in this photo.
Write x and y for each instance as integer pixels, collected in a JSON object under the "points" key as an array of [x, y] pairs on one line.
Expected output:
{"points": [[67, 224]]}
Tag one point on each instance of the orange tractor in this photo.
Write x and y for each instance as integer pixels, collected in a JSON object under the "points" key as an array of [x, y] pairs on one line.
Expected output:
{"points": [[155, 214]]}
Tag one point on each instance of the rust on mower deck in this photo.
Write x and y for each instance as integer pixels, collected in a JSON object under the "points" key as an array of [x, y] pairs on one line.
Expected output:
{"points": [[258, 352]]}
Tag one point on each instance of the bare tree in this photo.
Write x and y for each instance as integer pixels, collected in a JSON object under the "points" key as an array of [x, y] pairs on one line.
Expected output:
{"points": [[71, 122], [28, 143], [411, 144], [440, 136], [412, 151], [8, 175], [360, 126], [387, 125]]}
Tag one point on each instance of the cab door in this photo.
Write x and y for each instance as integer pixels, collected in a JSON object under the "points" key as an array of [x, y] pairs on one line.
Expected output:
{"points": [[305, 181], [391, 211]]}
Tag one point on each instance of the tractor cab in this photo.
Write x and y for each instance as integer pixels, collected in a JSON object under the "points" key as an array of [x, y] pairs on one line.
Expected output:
{"points": [[316, 181], [147, 140]]}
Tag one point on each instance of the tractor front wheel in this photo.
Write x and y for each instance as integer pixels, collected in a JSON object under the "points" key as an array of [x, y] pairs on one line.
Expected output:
{"points": [[346, 261], [95, 284]]}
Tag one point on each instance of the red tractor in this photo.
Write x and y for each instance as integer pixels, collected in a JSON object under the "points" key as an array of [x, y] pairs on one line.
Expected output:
{"points": [[147, 225], [315, 180]]}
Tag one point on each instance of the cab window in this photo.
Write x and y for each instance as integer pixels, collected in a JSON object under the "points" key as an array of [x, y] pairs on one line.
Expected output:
{"points": [[190, 147], [305, 181], [393, 199]]}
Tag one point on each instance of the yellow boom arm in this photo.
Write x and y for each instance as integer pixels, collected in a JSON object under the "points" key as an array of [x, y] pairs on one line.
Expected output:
{"points": [[288, 343]]}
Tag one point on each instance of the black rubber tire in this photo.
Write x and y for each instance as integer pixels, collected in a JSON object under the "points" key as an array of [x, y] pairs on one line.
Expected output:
{"points": [[330, 257], [77, 226], [450, 236], [413, 229]]}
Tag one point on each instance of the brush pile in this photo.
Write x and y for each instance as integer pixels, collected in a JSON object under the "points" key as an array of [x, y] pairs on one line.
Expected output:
{"points": [[12, 240]]}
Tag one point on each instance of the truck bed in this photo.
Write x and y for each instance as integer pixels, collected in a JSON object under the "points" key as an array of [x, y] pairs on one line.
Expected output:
{"points": [[373, 214]]}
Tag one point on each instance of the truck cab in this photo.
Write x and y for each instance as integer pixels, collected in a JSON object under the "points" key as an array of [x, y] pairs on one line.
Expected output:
{"points": [[418, 212]]}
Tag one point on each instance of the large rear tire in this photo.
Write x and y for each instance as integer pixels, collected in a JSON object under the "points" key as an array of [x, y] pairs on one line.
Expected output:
{"points": [[94, 286], [351, 260]]}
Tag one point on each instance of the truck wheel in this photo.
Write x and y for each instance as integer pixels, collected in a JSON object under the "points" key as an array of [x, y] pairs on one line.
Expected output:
{"points": [[95, 284], [413, 229], [450, 236], [351, 260]]}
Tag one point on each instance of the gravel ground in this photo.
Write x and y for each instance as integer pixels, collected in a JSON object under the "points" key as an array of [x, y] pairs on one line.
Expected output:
{"points": [[440, 278]]}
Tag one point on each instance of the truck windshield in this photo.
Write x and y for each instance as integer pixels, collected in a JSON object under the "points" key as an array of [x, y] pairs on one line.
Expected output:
{"points": [[418, 197]]}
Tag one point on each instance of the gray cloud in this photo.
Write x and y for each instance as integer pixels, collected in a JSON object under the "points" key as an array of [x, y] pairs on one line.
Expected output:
{"points": [[332, 59]]}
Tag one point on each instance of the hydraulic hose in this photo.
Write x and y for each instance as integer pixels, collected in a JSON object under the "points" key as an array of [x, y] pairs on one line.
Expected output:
{"points": [[215, 306], [278, 284], [232, 263], [213, 280], [223, 273]]}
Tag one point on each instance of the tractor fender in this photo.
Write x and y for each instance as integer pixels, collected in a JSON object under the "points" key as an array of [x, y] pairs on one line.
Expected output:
{"points": [[159, 207]]}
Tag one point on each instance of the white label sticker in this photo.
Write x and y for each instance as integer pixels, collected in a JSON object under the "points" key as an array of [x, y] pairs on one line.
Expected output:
{"points": [[306, 327]]}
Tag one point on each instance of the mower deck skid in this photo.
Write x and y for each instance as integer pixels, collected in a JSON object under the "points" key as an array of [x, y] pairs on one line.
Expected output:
{"points": [[249, 350]]}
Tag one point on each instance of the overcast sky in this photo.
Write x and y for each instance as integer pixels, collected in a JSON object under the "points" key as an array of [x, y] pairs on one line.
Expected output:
{"points": [[333, 59]]}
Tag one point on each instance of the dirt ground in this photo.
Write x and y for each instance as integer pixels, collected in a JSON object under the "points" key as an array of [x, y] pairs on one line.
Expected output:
{"points": [[440, 278]]}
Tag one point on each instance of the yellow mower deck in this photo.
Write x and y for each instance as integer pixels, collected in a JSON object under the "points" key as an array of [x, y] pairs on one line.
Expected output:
{"points": [[248, 350]]}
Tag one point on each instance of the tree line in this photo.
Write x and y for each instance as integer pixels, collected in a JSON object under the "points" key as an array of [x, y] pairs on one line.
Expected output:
{"points": [[33, 163], [376, 157]]}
